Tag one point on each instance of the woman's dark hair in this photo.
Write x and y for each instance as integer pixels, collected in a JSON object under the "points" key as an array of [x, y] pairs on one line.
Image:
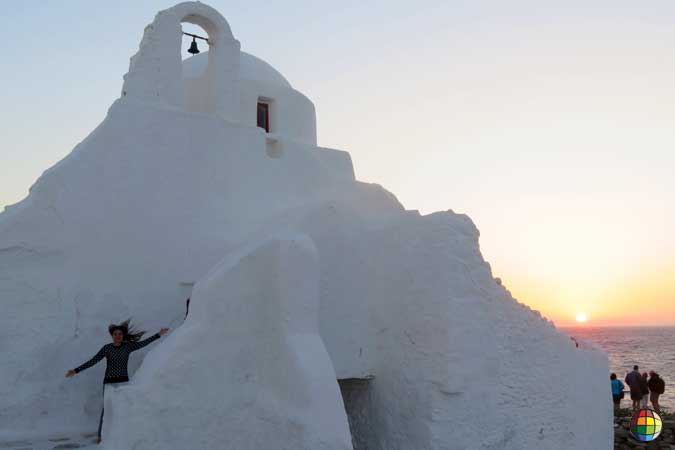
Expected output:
{"points": [[612, 376], [130, 334]]}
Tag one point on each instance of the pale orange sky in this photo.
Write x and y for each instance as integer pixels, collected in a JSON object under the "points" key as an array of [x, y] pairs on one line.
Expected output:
{"points": [[549, 123], [607, 255], [644, 299]]}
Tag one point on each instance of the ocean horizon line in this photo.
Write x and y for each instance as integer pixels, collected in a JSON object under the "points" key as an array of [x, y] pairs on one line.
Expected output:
{"points": [[615, 326]]}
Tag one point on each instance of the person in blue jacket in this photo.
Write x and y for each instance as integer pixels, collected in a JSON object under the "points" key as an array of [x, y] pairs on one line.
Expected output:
{"points": [[617, 391]]}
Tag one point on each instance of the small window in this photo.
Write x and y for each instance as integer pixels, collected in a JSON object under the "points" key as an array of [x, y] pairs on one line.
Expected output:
{"points": [[264, 116]]}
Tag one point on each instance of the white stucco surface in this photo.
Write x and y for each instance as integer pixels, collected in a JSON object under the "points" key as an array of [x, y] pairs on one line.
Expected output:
{"points": [[177, 186], [251, 68], [249, 363]]}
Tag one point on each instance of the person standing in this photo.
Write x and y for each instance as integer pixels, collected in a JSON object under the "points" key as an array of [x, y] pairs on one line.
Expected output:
{"points": [[633, 381], [617, 392], [656, 387], [644, 388], [125, 340]]}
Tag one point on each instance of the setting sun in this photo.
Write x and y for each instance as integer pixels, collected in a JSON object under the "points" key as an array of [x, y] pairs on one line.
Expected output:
{"points": [[581, 317]]}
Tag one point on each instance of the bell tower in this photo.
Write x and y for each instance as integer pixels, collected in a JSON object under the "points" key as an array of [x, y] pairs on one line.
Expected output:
{"points": [[155, 71]]}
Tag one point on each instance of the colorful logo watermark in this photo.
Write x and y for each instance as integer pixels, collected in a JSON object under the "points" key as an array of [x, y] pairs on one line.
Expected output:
{"points": [[646, 425]]}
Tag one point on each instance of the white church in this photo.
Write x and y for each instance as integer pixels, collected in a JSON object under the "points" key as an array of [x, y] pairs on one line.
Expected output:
{"points": [[323, 314]]}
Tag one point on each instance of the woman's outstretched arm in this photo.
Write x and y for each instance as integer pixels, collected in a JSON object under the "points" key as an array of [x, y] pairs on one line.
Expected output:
{"points": [[133, 346], [97, 357]]}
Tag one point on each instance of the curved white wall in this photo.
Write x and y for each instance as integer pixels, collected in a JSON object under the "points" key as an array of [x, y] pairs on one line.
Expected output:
{"points": [[292, 115]]}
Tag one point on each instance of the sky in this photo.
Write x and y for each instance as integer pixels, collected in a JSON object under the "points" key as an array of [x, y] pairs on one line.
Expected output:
{"points": [[550, 123]]}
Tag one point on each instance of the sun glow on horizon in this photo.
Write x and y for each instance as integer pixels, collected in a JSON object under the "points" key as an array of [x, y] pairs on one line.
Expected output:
{"points": [[604, 301], [581, 317]]}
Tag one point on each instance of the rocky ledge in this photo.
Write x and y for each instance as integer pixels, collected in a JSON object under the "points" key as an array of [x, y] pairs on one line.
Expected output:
{"points": [[624, 441]]}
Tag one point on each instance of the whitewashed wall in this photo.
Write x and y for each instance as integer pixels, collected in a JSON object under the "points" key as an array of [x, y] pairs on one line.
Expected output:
{"points": [[157, 195]]}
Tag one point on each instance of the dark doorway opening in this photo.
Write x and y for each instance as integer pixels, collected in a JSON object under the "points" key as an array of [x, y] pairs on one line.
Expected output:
{"points": [[356, 394]]}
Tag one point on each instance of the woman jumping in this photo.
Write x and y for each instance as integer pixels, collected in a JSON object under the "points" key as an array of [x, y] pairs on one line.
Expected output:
{"points": [[124, 341]]}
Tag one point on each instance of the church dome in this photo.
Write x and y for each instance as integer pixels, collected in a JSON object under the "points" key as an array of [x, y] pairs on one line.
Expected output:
{"points": [[251, 68], [264, 98]]}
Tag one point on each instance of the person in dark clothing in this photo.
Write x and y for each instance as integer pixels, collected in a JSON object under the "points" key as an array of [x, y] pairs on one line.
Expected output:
{"points": [[656, 387], [633, 380], [125, 340], [644, 388]]}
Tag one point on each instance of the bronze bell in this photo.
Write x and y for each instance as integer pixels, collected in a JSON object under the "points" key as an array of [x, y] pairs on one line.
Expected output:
{"points": [[193, 47]]}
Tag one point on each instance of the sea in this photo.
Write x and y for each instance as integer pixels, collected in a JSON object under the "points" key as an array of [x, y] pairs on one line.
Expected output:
{"points": [[651, 348]]}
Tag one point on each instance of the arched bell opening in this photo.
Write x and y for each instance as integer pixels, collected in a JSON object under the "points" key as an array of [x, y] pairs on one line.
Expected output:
{"points": [[198, 78], [194, 42]]}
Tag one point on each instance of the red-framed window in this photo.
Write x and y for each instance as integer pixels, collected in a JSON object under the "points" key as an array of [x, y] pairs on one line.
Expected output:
{"points": [[264, 116]]}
